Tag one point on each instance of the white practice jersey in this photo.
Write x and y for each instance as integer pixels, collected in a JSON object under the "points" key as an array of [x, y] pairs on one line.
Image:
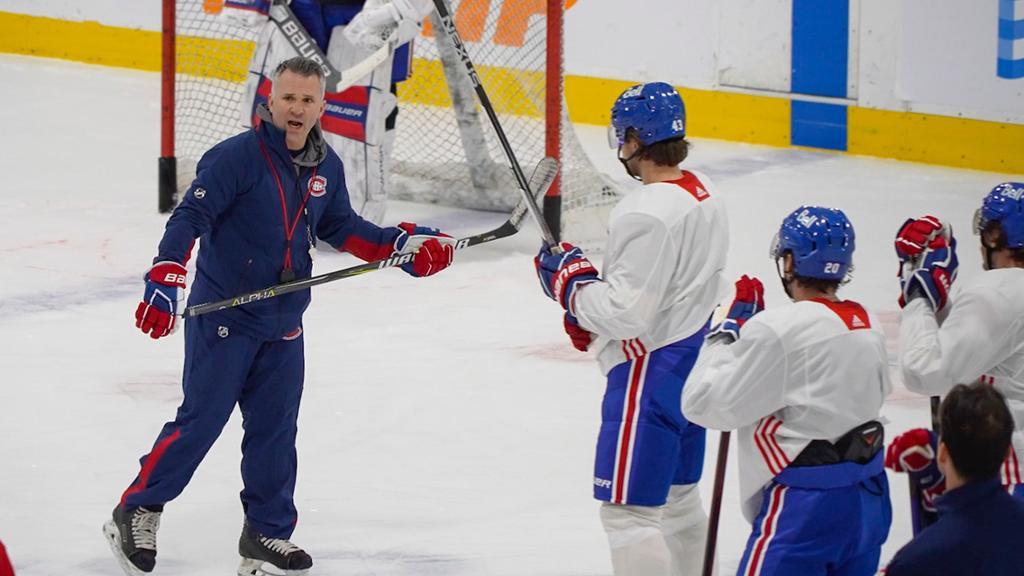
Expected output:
{"points": [[801, 372], [662, 275], [981, 338]]}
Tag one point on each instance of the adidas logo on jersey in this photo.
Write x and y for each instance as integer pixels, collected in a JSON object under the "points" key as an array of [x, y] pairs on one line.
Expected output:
{"points": [[856, 322]]}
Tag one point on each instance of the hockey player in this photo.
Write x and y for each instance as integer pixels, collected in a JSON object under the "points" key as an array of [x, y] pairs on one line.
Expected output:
{"points": [[803, 384], [359, 122], [649, 310], [251, 355], [982, 336]]}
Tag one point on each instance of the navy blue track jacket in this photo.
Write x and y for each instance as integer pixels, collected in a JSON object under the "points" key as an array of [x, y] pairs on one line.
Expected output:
{"points": [[980, 531], [242, 210]]}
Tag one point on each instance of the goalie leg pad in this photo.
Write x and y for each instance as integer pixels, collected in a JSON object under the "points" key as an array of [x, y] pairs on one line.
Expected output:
{"points": [[271, 48], [355, 125]]}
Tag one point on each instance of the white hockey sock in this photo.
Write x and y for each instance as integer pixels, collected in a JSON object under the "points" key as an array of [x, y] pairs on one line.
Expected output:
{"points": [[685, 528], [637, 545]]}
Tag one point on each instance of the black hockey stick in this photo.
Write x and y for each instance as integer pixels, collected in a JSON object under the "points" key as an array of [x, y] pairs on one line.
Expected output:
{"points": [[716, 504], [919, 517], [543, 175], [445, 17], [334, 80]]}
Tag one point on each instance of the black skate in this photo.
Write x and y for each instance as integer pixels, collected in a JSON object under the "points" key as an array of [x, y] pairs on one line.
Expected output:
{"points": [[262, 556], [131, 534]]}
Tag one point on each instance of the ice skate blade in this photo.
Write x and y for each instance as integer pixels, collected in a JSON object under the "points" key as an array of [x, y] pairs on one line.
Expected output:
{"points": [[114, 539], [253, 567]]}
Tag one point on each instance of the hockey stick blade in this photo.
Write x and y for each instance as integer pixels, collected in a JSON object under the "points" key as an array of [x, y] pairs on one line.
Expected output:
{"points": [[334, 80], [543, 176]]}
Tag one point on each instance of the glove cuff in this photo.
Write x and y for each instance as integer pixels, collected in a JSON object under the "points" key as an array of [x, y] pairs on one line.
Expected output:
{"points": [[167, 273]]}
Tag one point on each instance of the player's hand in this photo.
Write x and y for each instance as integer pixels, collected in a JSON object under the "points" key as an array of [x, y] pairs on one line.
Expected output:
{"points": [[580, 337], [916, 233], [932, 273], [155, 315], [913, 452], [562, 274], [749, 301], [434, 249], [245, 13], [396, 21]]}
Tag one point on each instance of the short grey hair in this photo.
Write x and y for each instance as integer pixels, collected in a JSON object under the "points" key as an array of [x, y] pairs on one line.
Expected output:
{"points": [[303, 67]]}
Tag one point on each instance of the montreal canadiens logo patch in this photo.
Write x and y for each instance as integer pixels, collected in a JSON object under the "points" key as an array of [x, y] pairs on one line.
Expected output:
{"points": [[317, 186]]}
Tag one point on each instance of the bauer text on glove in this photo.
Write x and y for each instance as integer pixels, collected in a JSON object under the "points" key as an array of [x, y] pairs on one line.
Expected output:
{"points": [[155, 315], [433, 249]]}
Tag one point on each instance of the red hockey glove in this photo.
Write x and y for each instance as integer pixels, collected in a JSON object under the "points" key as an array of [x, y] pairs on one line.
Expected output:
{"points": [[914, 452], [434, 249], [5, 563], [749, 301], [915, 234], [165, 283], [561, 274], [580, 338], [933, 276], [926, 249]]}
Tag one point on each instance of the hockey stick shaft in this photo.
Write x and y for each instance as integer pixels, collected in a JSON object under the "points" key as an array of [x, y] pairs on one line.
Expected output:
{"points": [[716, 504], [919, 517], [334, 80], [448, 23], [544, 176]]}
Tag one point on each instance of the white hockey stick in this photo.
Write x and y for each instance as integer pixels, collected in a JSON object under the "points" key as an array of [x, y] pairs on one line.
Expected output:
{"points": [[448, 25], [335, 80]]}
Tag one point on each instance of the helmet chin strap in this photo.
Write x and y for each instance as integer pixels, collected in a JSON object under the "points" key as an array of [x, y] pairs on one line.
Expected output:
{"points": [[625, 163], [986, 252], [782, 278]]}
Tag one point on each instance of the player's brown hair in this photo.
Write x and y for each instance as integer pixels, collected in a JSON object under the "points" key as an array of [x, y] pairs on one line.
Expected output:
{"points": [[302, 66], [993, 232], [976, 427], [670, 152]]}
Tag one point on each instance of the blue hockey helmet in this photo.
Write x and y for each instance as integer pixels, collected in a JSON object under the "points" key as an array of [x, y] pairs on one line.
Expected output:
{"points": [[1005, 205], [821, 241], [655, 110]]}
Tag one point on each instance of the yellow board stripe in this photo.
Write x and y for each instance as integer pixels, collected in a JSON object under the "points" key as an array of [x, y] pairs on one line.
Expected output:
{"points": [[933, 139], [90, 42], [959, 142]]}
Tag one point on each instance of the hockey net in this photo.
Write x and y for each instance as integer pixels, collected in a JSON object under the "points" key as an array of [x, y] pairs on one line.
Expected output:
{"points": [[445, 151]]}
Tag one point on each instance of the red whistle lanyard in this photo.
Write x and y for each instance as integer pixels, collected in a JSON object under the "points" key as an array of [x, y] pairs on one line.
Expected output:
{"points": [[289, 226]]}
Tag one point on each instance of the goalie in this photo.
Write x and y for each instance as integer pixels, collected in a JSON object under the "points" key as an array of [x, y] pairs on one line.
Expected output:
{"points": [[359, 123]]}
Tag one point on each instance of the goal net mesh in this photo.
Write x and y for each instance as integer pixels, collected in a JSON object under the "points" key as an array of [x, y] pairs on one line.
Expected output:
{"points": [[445, 150]]}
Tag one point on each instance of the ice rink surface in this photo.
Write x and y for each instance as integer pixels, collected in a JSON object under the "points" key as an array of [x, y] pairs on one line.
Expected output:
{"points": [[447, 426]]}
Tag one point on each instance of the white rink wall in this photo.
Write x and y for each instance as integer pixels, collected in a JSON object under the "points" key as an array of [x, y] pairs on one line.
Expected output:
{"points": [[927, 56]]}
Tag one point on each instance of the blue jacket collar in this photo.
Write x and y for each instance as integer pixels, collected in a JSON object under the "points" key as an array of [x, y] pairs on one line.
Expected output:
{"points": [[968, 495]]}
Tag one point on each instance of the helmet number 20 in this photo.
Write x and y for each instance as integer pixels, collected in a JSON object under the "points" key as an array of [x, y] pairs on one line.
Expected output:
{"points": [[831, 267]]}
